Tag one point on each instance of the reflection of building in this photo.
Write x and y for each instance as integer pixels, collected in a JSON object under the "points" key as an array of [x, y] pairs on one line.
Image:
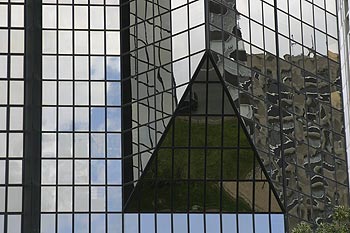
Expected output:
{"points": [[232, 115], [252, 122], [344, 25]]}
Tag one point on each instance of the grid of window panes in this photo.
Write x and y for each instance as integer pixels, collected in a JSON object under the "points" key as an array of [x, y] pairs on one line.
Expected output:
{"points": [[81, 157], [11, 113], [288, 88], [200, 223], [344, 43], [160, 50]]}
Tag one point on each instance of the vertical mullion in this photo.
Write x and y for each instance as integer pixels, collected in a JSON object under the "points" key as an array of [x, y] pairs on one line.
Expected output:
{"points": [[73, 116], [7, 113], [89, 112], [32, 113], [106, 112], [57, 112], [279, 103]]}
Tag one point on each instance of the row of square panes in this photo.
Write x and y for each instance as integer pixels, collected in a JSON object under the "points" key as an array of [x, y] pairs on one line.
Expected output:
{"points": [[85, 199], [81, 171], [82, 96], [15, 118], [16, 41], [264, 38], [310, 76], [14, 199], [84, 2], [13, 224], [13, 173], [263, 15], [101, 145], [98, 15], [15, 70], [17, 15], [284, 30], [185, 67], [295, 8], [164, 223], [81, 67], [101, 119], [254, 51], [61, 42], [15, 145]]}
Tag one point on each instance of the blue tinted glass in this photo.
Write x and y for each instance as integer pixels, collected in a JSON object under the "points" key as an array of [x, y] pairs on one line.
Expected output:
{"points": [[98, 223], [114, 172], [245, 223], [164, 223], [113, 119], [180, 223], [81, 119], [97, 171], [212, 223], [196, 223], [97, 68], [81, 223], [114, 202], [98, 145], [113, 146], [113, 68], [97, 119], [261, 223], [277, 223], [64, 223], [229, 223], [113, 93], [115, 223], [65, 119], [14, 223], [131, 223], [2, 223], [47, 223], [147, 223]]}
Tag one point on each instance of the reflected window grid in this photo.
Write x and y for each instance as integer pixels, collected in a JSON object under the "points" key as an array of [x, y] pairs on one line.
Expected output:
{"points": [[81, 160], [11, 114]]}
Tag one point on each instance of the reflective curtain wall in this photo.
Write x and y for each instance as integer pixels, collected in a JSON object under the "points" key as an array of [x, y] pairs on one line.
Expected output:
{"points": [[81, 117], [12, 47], [344, 40], [279, 61]]}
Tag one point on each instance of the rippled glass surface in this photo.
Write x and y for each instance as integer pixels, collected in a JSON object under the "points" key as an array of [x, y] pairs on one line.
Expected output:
{"points": [[204, 161], [284, 77]]}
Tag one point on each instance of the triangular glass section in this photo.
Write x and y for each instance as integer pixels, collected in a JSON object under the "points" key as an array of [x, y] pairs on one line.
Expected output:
{"points": [[204, 161]]}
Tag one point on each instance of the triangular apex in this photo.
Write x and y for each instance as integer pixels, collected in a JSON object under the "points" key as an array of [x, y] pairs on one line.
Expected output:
{"points": [[204, 160]]}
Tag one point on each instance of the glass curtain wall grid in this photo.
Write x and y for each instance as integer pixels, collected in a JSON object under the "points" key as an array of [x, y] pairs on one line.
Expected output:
{"points": [[171, 116], [279, 62], [344, 41]]}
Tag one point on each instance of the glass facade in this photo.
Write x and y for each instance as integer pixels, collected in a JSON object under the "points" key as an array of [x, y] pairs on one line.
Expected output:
{"points": [[279, 62], [344, 41], [171, 116]]}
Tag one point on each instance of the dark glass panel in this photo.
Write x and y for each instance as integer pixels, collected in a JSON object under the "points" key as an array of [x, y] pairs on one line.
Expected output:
{"points": [[180, 196], [213, 164], [197, 131], [231, 129], [230, 164], [197, 157], [180, 164], [245, 196], [246, 164], [168, 167]]}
